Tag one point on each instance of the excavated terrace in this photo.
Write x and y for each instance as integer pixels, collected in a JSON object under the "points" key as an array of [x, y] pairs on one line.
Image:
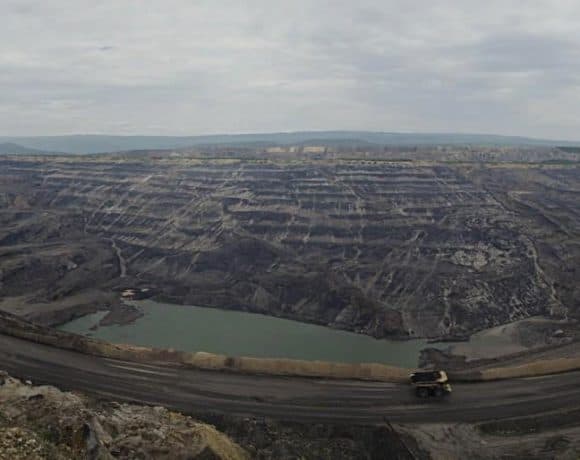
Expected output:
{"points": [[386, 248]]}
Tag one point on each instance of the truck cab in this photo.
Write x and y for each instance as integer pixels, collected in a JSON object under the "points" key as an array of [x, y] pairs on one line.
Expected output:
{"points": [[430, 383]]}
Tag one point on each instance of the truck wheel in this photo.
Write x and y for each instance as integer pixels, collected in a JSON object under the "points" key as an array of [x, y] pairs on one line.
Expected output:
{"points": [[438, 392], [422, 392]]}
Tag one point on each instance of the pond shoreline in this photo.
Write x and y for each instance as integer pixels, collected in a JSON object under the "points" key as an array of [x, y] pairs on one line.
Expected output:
{"points": [[235, 333]]}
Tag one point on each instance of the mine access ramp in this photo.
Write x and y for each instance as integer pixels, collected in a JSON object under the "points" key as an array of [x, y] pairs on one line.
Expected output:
{"points": [[430, 383]]}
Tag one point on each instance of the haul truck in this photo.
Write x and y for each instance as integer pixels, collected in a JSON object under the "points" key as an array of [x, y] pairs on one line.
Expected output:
{"points": [[430, 383]]}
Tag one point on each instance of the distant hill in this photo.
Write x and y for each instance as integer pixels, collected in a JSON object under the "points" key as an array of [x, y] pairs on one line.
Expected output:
{"points": [[104, 143], [569, 149], [12, 148]]}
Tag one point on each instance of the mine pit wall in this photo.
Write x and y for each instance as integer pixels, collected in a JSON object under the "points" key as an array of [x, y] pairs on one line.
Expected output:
{"points": [[16, 327]]}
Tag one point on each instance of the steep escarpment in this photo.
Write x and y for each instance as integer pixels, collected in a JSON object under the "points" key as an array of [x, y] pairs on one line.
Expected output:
{"points": [[386, 248]]}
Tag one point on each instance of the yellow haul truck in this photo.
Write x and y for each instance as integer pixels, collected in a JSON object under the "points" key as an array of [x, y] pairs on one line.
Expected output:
{"points": [[430, 383]]}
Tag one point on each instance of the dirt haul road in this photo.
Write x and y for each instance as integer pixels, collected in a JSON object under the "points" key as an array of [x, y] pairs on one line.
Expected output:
{"points": [[284, 398]]}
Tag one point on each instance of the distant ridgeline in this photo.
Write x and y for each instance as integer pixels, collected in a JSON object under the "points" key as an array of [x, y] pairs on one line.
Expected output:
{"points": [[10, 148], [103, 143]]}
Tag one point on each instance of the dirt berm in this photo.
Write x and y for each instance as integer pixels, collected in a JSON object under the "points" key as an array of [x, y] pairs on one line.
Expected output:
{"points": [[16, 327], [531, 369]]}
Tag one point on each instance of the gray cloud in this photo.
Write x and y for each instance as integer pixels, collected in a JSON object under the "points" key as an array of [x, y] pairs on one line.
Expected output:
{"points": [[182, 67]]}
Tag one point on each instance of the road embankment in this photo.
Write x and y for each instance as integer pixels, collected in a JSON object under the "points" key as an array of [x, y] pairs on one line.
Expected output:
{"points": [[531, 369], [17, 327]]}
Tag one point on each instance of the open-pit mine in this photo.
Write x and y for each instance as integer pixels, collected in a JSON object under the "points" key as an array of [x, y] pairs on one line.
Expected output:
{"points": [[237, 259], [395, 244]]}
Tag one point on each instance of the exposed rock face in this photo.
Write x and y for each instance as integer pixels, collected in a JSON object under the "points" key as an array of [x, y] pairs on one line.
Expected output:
{"points": [[385, 248], [266, 439], [43, 422]]}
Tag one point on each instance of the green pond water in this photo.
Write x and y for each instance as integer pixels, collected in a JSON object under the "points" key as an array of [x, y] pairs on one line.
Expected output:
{"points": [[246, 334]]}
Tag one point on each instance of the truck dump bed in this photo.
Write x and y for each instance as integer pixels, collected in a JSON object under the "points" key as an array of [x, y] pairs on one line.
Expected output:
{"points": [[428, 377]]}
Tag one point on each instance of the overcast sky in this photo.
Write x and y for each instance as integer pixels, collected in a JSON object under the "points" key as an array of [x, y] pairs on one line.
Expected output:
{"points": [[200, 67]]}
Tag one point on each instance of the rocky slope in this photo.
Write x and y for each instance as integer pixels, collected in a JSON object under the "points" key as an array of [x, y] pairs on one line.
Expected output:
{"points": [[43, 422], [387, 248]]}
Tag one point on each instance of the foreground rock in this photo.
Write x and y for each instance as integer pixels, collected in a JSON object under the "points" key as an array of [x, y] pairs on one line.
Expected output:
{"points": [[43, 422]]}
